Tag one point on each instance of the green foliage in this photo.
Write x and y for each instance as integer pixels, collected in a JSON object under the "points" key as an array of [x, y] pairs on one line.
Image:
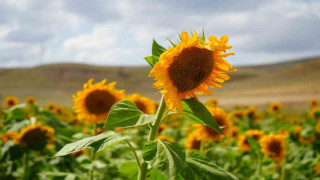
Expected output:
{"points": [[152, 60], [157, 49], [130, 170], [166, 158], [98, 143], [126, 114], [197, 112]]}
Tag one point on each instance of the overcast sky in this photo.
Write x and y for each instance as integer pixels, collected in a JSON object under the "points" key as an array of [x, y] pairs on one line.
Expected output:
{"points": [[120, 32]]}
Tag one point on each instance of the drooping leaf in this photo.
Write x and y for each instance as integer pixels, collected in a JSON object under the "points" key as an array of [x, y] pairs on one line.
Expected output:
{"points": [[168, 158], [98, 142], [199, 167], [152, 60], [126, 114], [197, 112], [129, 169], [157, 49]]}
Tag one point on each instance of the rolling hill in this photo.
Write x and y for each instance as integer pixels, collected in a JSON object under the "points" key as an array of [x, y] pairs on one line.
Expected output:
{"points": [[293, 82]]}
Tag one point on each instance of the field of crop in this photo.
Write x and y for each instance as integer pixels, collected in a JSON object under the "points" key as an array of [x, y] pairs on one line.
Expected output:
{"points": [[69, 121]]}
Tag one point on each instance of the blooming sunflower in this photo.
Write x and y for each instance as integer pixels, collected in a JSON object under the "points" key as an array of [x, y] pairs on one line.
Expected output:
{"points": [[192, 142], [315, 112], [30, 100], [212, 102], [274, 146], [205, 133], [236, 113], [275, 107], [59, 110], [243, 142], [10, 101], [313, 103], [251, 112], [51, 107], [144, 104], [35, 136], [94, 102], [8, 136], [317, 169], [190, 67], [165, 138]]}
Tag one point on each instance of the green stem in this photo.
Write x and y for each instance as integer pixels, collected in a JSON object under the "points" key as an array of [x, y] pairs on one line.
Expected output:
{"points": [[25, 164], [134, 153], [283, 170], [202, 147], [260, 159], [152, 136], [92, 154]]}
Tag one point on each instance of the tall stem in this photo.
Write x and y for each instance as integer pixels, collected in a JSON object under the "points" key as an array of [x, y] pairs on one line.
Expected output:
{"points": [[25, 164], [92, 154], [152, 135]]}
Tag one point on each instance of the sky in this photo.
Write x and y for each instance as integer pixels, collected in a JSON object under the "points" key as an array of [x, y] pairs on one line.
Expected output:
{"points": [[120, 32]]}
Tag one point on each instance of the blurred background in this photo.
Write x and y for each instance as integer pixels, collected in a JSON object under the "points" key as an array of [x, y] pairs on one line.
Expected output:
{"points": [[48, 49]]}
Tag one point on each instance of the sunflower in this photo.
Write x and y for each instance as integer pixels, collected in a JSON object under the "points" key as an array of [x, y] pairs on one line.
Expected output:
{"points": [[318, 127], [236, 113], [165, 138], [234, 131], [192, 142], [59, 110], [251, 112], [95, 101], [35, 136], [274, 146], [313, 103], [144, 104], [30, 100], [302, 140], [206, 133], [243, 142], [10, 101], [51, 107], [9, 135], [317, 169], [315, 112], [190, 67], [212, 102], [275, 107]]}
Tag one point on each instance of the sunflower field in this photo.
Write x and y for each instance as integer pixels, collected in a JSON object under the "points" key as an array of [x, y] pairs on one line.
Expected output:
{"points": [[109, 134]]}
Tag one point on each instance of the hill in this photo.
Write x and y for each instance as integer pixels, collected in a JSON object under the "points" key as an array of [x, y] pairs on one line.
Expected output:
{"points": [[292, 82]]}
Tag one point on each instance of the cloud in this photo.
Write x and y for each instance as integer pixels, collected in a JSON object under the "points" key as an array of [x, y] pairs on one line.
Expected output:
{"points": [[120, 32]]}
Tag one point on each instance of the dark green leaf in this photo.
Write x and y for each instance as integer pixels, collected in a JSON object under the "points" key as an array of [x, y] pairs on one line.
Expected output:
{"points": [[152, 60], [204, 169], [98, 142], [197, 112], [129, 169], [157, 49], [169, 159], [126, 114], [149, 150]]}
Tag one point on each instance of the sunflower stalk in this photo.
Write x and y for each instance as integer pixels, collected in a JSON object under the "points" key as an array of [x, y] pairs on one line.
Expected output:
{"points": [[92, 153], [152, 135]]}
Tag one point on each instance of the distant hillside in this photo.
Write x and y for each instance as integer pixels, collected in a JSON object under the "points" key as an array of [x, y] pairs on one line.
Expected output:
{"points": [[58, 82]]}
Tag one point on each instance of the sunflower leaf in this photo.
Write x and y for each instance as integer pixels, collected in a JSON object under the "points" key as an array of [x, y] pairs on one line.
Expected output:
{"points": [[167, 158], [129, 169], [98, 142], [199, 167], [157, 49], [197, 112], [125, 114], [152, 60]]}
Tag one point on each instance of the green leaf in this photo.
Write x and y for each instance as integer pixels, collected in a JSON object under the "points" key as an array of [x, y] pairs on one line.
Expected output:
{"points": [[255, 146], [168, 158], [152, 60], [126, 114], [155, 175], [149, 150], [197, 112], [98, 142], [204, 169], [129, 169], [157, 49]]}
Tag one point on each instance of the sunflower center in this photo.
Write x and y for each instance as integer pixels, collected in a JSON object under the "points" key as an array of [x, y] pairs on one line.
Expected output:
{"points": [[275, 147], [275, 108], [196, 144], [99, 101], [34, 136], [140, 106], [190, 68], [10, 102]]}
